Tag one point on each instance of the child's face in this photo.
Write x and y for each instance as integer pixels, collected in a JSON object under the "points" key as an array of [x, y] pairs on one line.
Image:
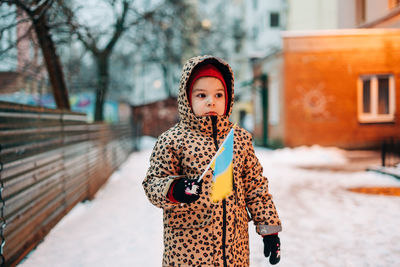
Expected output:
{"points": [[208, 97]]}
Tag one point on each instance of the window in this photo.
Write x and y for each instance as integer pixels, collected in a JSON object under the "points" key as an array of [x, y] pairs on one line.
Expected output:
{"points": [[238, 34], [376, 99], [274, 19]]}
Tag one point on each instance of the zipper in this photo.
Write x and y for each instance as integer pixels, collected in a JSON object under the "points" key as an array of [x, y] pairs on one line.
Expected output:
{"points": [[215, 138]]}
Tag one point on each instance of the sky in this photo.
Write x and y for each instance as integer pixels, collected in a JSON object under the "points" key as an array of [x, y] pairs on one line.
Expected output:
{"points": [[324, 224]]}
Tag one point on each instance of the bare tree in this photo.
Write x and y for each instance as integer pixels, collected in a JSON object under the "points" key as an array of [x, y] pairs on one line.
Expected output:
{"points": [[38, 13], [179, 31], [125, 17], [169, 39]]}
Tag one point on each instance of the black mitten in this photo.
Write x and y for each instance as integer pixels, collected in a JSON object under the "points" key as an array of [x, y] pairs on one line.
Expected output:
{"points": [[186, 190], [272, 248]]}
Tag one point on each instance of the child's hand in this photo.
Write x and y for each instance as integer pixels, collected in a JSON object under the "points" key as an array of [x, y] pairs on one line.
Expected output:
{"points": [[272, 248], [186, 190]]}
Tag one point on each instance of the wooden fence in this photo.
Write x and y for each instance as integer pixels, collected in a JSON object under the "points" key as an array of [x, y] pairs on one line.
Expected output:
{"points": [[50, 160]]}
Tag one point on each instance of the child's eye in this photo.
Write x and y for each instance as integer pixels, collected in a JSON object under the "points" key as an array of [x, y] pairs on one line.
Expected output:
{"points": [[201, 95], [219, 95]]}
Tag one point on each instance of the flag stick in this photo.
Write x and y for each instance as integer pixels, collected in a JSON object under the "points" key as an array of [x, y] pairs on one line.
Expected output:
{"points": [[216, 154]]}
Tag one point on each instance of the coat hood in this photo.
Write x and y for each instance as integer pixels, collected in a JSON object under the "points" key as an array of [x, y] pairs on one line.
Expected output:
{"points": [[185, 111]]}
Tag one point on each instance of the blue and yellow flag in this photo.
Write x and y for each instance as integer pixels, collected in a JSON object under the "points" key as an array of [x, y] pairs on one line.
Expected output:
{"points": [[222, 166]]}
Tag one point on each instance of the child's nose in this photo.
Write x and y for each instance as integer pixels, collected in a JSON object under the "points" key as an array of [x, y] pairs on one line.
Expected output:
{"points": [[210, 101]]}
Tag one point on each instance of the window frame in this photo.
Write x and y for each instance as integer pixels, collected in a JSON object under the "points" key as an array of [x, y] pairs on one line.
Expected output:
{"points": [[361, 11], [373, 116], [274, 15]]}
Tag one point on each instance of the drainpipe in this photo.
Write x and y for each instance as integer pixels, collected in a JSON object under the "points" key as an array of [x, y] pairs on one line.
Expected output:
{"points": [[264, 99]]}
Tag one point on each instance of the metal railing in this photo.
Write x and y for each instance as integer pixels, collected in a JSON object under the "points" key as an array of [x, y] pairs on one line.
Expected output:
{"points": [[50, 160], [391, 152]]}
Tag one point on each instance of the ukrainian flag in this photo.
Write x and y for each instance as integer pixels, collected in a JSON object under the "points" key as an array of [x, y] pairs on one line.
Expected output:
{"points": [[222, 166]]}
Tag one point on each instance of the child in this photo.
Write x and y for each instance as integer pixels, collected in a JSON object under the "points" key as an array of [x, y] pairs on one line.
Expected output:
{"points": [[197, 231]]}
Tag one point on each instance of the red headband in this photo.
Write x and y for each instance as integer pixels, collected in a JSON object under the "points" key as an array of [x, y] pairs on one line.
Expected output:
{"points": [[207, 70]]}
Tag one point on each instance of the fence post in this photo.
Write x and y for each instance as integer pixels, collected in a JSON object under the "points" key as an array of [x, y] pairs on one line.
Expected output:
{"points": [[383, 154]]}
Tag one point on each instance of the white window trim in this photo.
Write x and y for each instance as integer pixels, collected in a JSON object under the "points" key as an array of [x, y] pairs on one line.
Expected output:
{"points": [[374, 116]]}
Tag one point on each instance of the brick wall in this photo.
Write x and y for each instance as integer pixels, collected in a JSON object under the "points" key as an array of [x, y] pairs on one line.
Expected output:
{"points": [[320, 86]]}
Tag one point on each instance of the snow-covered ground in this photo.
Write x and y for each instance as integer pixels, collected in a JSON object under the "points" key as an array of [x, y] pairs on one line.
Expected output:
{"points": [[323, 223]]}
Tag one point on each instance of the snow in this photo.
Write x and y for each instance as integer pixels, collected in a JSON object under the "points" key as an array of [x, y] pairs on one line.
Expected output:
{"points": [[323, 223]]}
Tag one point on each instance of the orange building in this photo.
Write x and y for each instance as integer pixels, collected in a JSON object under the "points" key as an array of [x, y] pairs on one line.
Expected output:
{"points": [[334, 81], [337, 88]]}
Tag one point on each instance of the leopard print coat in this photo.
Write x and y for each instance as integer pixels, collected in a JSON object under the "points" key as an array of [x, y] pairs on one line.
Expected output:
{"points": [[204, 233]]}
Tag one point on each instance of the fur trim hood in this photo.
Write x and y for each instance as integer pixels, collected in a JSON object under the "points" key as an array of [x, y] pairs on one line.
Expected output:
{"points": [[185, 111]]}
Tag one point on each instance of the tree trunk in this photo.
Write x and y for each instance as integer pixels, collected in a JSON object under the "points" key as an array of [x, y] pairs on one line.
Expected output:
{"points": [[52, 61], [102, 85]]}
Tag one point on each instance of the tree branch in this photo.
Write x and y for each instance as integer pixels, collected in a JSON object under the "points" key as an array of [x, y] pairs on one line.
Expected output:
{"points": [[119, 27], [20, 5], [87, 39]]}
